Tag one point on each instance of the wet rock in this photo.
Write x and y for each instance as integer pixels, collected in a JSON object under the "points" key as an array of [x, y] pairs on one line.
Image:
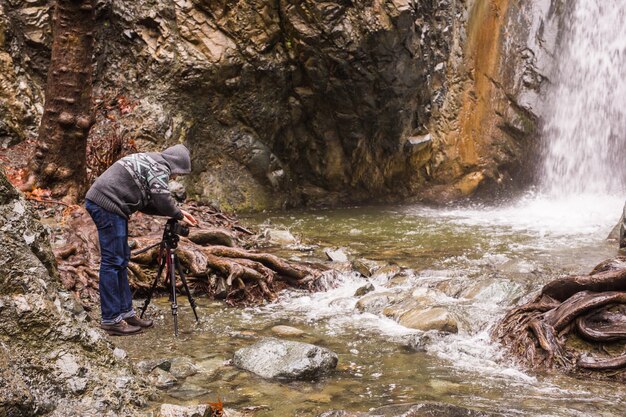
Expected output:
{"points": [[375, 303], [366, 289], [182, 368], [148, 365], [209, 367], [296, 121], [162, 379], [611, 264], [280, 237], [187, 392], [287, 331], [425, 409], [435, 318], [280, 359], [364, 267], [20, 95], [493, 291], [401, 279], [469, 183], [425, 296], [336, 255], [387, 272], [419, 342], [244, 334]]}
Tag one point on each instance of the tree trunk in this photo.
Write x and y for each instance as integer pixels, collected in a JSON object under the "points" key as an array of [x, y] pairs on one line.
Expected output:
{"points": [[60, 163]]}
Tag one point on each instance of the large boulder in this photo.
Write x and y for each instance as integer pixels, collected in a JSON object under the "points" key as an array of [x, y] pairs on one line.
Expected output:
{"points": [[280, 359], [52, 362]]}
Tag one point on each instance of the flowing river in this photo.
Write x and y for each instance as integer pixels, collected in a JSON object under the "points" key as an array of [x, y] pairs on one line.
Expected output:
{"points": [[480, 261]]}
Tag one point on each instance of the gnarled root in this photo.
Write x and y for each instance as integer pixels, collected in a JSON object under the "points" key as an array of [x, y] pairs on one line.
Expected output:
{"points": [[602, 326], [212, 260], [210, 256], [591, 309]]}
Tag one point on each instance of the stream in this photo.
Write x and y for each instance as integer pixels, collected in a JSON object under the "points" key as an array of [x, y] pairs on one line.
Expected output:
{"points": [[482, 260]]}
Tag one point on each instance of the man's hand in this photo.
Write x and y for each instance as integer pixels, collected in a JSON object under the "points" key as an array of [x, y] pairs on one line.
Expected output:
{"points": [[189, 219]]}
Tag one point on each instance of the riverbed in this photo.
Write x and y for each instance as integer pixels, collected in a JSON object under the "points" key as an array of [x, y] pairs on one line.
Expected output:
{"points": [[483, 260]]}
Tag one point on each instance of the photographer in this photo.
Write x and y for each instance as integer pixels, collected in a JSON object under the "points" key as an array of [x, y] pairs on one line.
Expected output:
{"points": [[137, 182]]}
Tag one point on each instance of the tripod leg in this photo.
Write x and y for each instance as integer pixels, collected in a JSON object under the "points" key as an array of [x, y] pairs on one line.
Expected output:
{"points": [[153, 287], [171, 270], [192, 302]]}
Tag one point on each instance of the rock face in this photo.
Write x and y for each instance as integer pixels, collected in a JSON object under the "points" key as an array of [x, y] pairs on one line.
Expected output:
{"points": [[21, 95], [303, 102], [486, 128], [280, 359], [51, 363]]}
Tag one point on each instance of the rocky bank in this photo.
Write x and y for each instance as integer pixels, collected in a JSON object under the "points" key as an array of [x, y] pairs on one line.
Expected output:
{"points": [[289, 103], [52, 362]]}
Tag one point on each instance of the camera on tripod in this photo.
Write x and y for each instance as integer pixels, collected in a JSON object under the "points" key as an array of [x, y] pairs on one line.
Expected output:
{"points": [[173, 228], [169, 262]]}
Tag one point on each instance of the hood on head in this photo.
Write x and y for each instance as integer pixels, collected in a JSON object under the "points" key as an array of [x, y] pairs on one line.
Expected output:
{"points": [[178, 159]]}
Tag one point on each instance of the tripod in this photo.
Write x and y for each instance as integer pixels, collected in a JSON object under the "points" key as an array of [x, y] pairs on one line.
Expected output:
{"points": [[168, 261]]}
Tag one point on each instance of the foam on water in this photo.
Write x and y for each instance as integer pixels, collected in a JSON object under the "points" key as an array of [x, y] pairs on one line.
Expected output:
{"points": [[336, 308], [578, 215]]}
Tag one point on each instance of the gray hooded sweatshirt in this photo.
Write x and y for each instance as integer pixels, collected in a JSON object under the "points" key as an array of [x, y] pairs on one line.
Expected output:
{"points": [[139, 182]]}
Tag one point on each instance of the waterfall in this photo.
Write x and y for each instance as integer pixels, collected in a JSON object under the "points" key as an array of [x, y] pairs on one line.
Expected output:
{"points": [[585, 124]]}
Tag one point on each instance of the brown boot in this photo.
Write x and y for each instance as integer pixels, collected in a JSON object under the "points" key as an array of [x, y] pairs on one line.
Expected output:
{"points": [[136, 321], [120, 329]]}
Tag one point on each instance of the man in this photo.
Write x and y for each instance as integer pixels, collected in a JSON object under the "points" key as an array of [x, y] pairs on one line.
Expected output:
{"points": [[138, 182]]}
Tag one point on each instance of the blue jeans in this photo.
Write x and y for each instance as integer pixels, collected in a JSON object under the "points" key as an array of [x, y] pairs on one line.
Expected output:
{"points": [[115, 297]]}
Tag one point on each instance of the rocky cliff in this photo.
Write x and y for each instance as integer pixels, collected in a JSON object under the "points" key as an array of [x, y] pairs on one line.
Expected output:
{"points": [[488, 128], [288, 103], [52, 363]]}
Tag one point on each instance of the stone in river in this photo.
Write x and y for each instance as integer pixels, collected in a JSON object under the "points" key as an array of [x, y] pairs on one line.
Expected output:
{"points": [[162, 379], [183, 367], [432, 318], [337, 255], [287, 331], [375, 303], [364, 290], [280, 237], [273, 358]]}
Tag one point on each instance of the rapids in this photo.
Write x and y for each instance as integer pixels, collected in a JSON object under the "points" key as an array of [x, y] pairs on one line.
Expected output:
{"points": [[491, 257]]}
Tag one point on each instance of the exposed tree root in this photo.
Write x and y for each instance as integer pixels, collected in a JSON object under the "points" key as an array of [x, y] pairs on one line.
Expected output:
{"points": [[618, 362], [216, 257], [563, 327], [603, 326]]}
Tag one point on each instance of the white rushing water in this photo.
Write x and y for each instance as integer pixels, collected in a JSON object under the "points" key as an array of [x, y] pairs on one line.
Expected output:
{"points": [[585, 130]]}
